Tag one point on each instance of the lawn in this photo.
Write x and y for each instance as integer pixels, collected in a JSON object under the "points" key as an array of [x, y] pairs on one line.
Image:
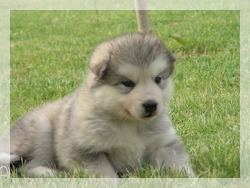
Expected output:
{"points": [[50, 49]]}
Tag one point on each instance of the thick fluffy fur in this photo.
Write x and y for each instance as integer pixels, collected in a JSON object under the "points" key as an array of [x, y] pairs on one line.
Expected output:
{"points": [[115, 121]]}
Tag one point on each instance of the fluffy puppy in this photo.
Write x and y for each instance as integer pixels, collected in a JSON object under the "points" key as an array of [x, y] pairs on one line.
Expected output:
{"points": [[115, 121]]}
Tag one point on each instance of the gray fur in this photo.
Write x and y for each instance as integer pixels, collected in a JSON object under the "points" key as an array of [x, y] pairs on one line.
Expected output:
{"points": [[102, 128]]}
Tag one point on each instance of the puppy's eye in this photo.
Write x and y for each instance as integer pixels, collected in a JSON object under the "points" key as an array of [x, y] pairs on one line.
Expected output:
{"points": [[128, 83], [158, 79]]}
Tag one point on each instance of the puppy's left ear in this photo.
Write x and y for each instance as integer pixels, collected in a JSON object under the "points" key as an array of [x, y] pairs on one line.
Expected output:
{"points": [[99, 60], [171, 60]]}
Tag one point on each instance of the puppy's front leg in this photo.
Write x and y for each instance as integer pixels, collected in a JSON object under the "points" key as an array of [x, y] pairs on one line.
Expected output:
{"points": [[173, 156], [99, 165]]}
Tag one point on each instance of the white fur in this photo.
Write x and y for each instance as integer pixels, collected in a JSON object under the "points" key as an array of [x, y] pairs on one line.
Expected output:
{"points": [[110, 98], [6, 158], [103, 128], [41, 171], [158, 65], [134, 72]]}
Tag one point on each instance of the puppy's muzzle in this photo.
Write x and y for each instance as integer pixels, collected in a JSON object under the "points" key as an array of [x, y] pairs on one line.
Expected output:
{"points": [[150, 108]]}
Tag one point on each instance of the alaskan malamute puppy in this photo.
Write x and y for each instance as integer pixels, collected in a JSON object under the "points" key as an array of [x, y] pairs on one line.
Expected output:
{"points": [[115, 121]]}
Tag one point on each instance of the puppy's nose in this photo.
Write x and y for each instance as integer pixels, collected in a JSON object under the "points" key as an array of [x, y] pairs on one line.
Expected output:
{"points": [[150, 106]]}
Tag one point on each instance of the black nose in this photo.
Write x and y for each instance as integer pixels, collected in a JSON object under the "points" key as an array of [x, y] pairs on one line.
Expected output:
{"points": [[150, 106]]}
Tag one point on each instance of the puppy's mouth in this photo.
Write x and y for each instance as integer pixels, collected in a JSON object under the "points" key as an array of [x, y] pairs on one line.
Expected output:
{"points": [[128, 113], [143, 117], [149, 115]]}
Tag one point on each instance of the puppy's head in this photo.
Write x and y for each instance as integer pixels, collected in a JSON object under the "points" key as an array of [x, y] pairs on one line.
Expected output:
{"points": [[130, 76]]}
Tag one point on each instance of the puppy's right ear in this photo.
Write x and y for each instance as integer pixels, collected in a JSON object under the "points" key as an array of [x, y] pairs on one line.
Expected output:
{"points": [[98, 67], [99, 60]]}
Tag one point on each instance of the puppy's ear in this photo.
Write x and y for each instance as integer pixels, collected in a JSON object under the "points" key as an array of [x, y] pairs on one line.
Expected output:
{"points": [[99, 60], [98, 68], [171, 61], [172, 58]]}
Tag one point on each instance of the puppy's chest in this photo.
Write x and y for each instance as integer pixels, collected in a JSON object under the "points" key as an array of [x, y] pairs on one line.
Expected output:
{"points": [[126, 150], [125, 144], [126, 138]]}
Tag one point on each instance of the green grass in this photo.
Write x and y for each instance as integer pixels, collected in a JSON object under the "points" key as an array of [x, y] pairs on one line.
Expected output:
{"points": [[49, 51]]}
